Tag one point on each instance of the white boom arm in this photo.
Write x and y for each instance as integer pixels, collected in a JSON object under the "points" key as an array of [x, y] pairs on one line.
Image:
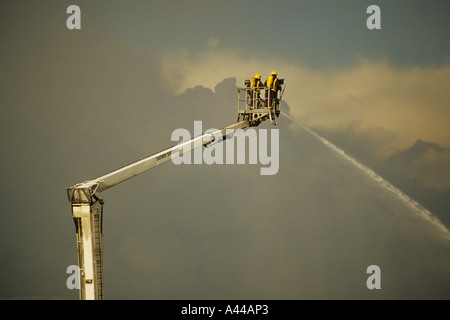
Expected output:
{"points": [[122, 174], [87, 208]]}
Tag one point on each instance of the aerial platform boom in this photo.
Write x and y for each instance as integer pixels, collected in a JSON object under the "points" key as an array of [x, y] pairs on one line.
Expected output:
{"points": [[87, 204]]}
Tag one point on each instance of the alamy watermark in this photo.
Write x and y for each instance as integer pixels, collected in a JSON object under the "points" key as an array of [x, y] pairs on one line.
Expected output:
{"points": [[73, 281], [374, 20], [374, 280], [73, 22], [231, 148]]}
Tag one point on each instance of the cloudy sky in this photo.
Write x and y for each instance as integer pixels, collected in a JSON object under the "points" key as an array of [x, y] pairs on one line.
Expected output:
{"points": [[76, 104]]}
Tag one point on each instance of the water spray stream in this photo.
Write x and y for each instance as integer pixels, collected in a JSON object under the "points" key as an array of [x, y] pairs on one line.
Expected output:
{"points": [[421, 211]]}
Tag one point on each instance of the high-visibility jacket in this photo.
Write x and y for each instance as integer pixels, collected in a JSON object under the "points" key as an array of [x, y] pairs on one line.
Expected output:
{"points": [[255, 83], [272, 83]]}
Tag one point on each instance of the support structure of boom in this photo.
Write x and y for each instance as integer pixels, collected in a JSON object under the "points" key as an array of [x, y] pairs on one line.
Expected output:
{"points": [[87, 204]]}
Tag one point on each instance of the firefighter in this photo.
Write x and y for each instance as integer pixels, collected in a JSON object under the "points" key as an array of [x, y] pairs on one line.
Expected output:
{"points": [[254, 93], [273, 85]]}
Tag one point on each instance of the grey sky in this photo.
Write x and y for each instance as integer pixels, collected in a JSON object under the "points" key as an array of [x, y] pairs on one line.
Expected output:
{"points": [[304, 31], [78, 104]]}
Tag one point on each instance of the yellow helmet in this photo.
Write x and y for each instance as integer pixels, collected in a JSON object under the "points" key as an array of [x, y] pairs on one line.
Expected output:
{"points": [[274, 73], [258, 76]]}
